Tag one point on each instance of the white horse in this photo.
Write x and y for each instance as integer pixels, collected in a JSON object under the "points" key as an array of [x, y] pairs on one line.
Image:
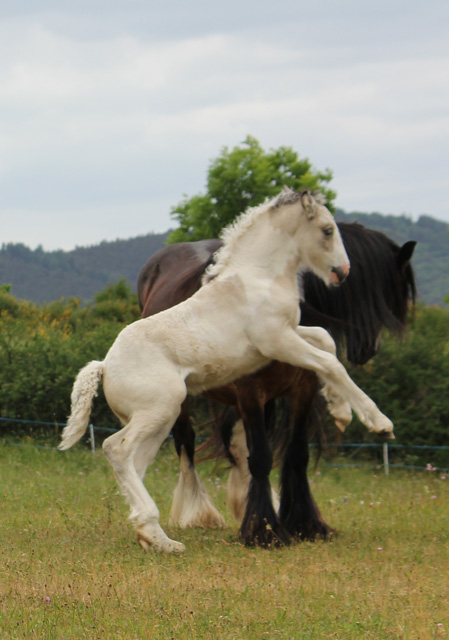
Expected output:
{"points": [[245, 315]]}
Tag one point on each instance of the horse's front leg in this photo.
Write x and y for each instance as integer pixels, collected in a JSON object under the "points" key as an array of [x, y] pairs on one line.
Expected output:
{"points": [[291, 347], [239, 476], [298, 510], [260, 523], [192, 506], [339, 407]]}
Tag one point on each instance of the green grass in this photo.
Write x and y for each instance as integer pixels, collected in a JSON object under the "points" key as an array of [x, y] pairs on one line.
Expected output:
{"points": [[71, 568]]}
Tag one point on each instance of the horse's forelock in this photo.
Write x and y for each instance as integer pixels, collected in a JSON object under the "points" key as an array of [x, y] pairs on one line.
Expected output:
{"points": [[288, 196]]}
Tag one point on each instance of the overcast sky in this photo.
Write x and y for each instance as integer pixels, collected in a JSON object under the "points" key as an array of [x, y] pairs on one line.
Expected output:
{"points": [[111, 110]]}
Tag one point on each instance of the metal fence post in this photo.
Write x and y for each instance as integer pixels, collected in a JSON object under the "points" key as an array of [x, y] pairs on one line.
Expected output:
{"points": [[386, 466], [92, 438]]}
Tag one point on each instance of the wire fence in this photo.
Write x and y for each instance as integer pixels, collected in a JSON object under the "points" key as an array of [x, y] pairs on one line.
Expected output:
{"points": [[386, 447]]}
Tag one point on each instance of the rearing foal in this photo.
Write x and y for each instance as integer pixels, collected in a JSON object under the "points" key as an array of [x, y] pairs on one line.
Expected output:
{"points": [[245, 315]]}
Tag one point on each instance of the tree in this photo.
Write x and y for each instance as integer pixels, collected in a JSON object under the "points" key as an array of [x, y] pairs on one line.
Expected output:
{"points": [[240, 178]]}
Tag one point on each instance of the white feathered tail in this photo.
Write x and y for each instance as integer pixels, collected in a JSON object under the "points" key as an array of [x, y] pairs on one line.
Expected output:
{"points": [[83, 392]]}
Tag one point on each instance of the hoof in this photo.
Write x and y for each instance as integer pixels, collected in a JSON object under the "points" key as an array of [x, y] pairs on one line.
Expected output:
{"points": [[383, 425], [342, 417], [341, 424], [317, 530], [322, 532], [161, 546], [267, 537]]}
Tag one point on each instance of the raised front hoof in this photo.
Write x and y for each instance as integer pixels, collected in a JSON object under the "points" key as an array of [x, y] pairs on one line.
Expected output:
{"points": [[342, 417], [266, 536], [387, 435], [160, 546], [380, 424]]}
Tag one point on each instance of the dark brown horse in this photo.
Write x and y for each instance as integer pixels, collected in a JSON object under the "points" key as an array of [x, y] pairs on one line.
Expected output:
{"points": [[375, 295]]}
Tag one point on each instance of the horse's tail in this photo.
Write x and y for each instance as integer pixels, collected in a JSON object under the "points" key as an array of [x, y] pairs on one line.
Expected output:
{"points": [[83, 392]]}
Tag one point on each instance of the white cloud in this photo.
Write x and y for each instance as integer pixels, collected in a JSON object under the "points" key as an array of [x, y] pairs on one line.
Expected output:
{"points": [[119, 108]]}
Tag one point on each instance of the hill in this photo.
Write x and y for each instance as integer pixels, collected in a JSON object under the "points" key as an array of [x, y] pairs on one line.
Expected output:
{"points": [[41, 276]]}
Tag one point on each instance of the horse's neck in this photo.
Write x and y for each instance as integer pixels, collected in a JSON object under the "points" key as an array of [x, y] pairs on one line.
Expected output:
{"points": [[269, 251]]}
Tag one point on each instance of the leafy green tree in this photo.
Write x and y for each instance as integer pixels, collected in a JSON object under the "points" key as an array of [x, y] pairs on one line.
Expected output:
{"points": [[240, 178]]}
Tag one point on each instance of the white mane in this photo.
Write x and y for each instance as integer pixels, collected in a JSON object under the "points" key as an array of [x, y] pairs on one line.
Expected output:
{"points": [[231, 234]]}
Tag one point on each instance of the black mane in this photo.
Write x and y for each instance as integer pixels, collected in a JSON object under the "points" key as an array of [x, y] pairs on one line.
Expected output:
{"points": [[375, 294]]}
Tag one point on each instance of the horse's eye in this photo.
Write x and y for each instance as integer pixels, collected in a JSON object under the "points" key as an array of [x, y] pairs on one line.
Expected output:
{"points": [[328, 231]]}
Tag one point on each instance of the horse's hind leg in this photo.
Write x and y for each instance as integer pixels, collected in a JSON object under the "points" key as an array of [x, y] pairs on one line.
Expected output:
{"points": [[239, 476], [192, 506], [145, 432], [298, 511]]}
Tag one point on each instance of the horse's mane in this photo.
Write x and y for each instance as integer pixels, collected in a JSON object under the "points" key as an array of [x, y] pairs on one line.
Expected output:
{"points": [[375, 294], [232, 234]]}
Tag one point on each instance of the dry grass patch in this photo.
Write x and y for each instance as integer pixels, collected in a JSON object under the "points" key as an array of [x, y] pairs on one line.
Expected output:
{"points": [[70, 567]]}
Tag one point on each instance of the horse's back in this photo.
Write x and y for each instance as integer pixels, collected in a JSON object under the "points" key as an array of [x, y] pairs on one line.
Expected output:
{"points": [[173, 274]]}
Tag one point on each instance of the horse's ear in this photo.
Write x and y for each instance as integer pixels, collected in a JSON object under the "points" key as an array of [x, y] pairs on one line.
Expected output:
{"points": [[308, 204], [405, 253]]}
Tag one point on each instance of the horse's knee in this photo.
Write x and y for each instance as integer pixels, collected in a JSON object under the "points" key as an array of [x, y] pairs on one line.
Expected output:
{"points": [[260, 462]]}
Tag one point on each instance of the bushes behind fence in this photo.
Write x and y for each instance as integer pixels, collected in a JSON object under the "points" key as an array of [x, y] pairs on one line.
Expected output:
{"points": [[43, 347], [409, 379]]}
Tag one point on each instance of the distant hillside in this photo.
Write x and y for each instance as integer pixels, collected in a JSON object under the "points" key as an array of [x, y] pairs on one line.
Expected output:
{"points": [[431, 257], [42, 276]]}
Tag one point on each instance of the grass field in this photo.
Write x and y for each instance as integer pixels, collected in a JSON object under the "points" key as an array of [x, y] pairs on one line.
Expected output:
{"points": [[70, 566]]}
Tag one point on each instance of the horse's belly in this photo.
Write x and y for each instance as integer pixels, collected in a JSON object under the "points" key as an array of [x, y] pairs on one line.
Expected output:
{"points": [[218, 371]]}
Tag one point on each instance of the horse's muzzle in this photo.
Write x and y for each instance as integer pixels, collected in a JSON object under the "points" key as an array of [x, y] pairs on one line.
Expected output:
{"points": [[339, 274]]}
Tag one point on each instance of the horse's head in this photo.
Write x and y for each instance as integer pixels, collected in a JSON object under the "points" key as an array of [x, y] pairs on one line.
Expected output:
{"points": [[323, 251]]}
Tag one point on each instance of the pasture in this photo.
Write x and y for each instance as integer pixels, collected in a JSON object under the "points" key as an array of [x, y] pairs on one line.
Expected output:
{"points": [[71, 567]]}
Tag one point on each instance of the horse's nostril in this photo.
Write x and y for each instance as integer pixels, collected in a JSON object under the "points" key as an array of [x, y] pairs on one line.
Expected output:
{"points": [[340, 273]]}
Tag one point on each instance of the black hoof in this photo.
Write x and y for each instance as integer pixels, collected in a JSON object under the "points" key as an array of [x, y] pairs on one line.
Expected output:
{"points": [[312, 531], [265, 535]]}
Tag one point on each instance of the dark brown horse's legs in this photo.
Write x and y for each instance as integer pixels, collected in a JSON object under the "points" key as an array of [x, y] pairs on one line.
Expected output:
{"points": [[260, 524], [298, 512]]}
